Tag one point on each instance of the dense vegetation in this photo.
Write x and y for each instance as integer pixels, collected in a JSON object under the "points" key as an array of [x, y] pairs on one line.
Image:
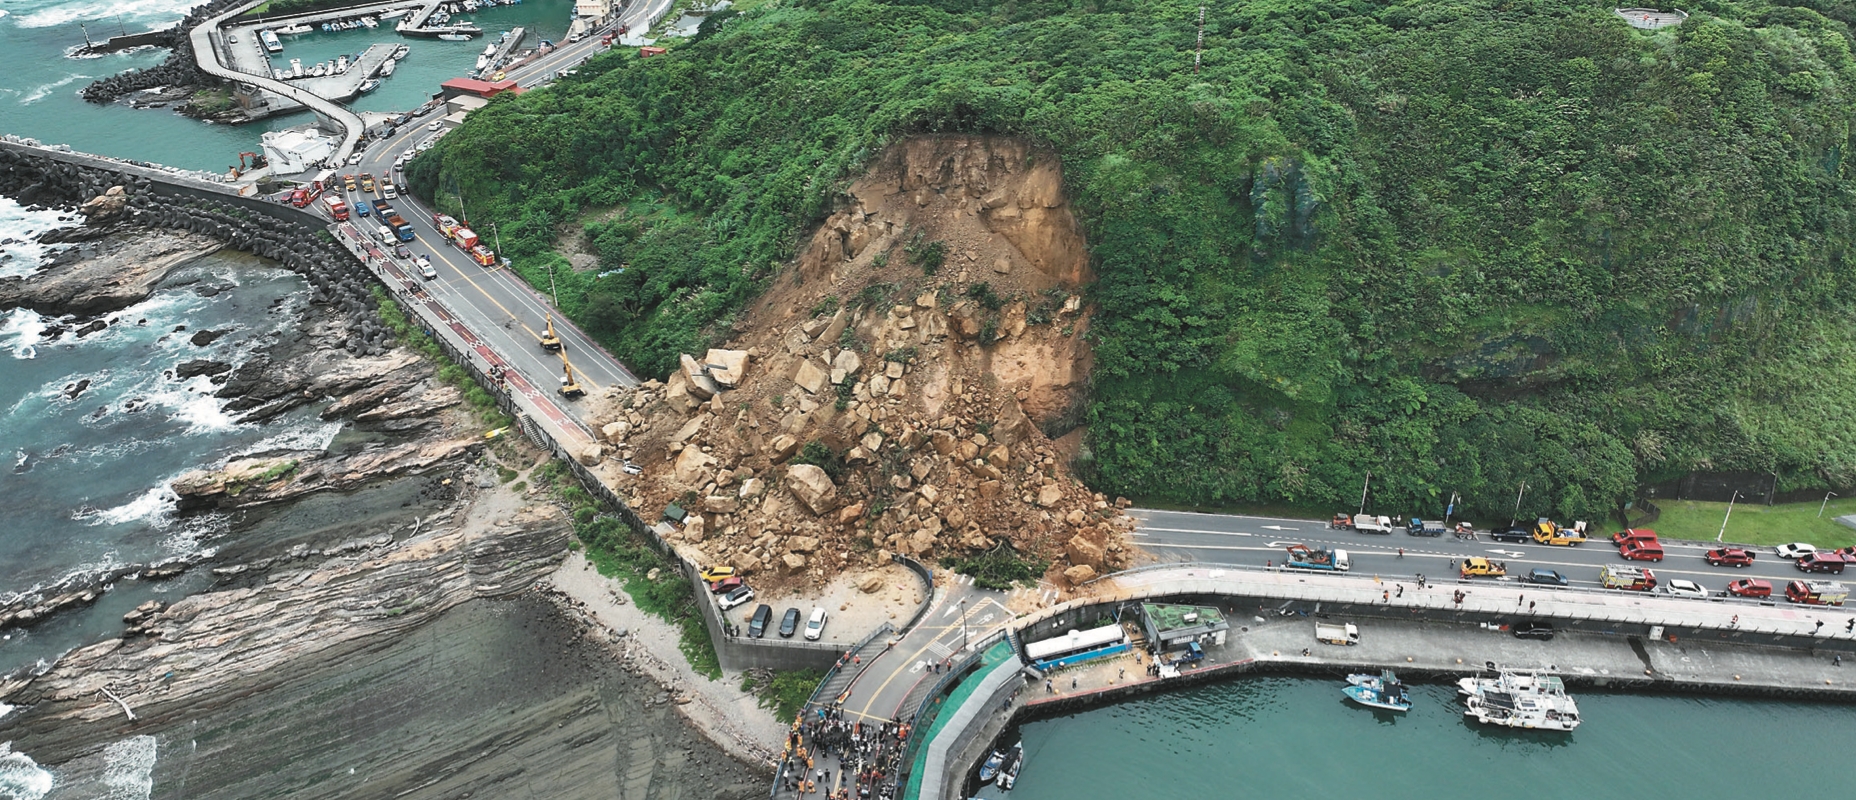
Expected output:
{"points": [[1461, 245]]}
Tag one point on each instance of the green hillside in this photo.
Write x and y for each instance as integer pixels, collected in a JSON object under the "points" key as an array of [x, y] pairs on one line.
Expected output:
{"points": [[1459, 244]]}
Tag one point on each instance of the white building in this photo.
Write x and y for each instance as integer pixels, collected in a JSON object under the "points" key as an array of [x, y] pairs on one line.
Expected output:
{"points": [[294, 151]]}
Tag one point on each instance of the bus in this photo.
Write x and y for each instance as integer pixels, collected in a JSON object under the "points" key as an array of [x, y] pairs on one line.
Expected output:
{"points": [[270, 41]]}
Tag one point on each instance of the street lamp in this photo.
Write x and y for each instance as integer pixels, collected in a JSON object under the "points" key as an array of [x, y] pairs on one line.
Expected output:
{"points": [[963, 624], [1729, 514], [1820, 506]]}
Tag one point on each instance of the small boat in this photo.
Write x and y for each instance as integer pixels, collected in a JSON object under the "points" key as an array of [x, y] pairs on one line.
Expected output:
{"points": [[326, 27], [394, 14], [1384, 691], [296, 68], [386, 68], [292, 30], [278, 74], [369, 85], [490, 50], [482, 61], [399, 53], [470, 5], [989, 771], [453, 37], [1014, 761], [341, 65], [369, 22]]}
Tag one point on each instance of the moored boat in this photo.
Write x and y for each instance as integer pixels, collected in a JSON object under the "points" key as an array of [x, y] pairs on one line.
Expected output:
{"points": [[1520, 699], [394, 14], [369, 85], [1382, 691], [386, 68], [1014, 761], [989, 771], [293, 30], [453, 37]]}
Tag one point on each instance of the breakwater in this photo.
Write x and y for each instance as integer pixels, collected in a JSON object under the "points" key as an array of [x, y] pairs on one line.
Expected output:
{"points": [[180, 68]]}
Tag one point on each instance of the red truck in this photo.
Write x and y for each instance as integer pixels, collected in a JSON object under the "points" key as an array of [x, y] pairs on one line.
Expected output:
{"points": [[465, 238], [482, 255], [648, 51], [445, 224], [1814, 593], [337, 209], [301, 198]]}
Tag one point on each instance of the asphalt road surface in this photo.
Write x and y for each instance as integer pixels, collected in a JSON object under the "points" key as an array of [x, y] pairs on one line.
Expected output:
{"points": [[962, 616], [1233, 539]]}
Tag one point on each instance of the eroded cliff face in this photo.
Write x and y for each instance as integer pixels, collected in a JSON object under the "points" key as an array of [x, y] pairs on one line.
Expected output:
{"points": [[931, 338]]}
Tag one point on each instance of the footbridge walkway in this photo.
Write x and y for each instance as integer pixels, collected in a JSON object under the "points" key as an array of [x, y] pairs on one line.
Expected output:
{"points": [[206, 47]]}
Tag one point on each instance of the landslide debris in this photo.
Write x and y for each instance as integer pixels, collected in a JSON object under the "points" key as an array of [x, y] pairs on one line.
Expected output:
{"points": [[896, 392]]}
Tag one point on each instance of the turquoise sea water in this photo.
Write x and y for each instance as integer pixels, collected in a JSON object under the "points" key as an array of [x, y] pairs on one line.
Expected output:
{"points": [[1281, 737], [38, 87]]}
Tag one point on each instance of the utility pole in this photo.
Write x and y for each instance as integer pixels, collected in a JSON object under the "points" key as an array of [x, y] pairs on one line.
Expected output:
{"points": [[963, 624], [1730, 513], [551, 291], [1199, 49], [1820, 506], [1517, 504], [1363, 487], [1450, 509]]}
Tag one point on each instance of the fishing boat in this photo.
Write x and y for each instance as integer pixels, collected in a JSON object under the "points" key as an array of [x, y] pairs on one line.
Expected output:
{"points": [[386, 68], [369, 85], [1383, 691], [369, 22], [1520, 699], [399, 53], [322, 68], [293, 30], [453, 37], [1014, 761], [482, 61], [296, 68], [989, 771], [490, 50], [394, 14]]}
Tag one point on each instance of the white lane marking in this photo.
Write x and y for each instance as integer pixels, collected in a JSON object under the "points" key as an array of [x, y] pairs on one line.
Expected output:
{"points": [[1279, 528], [1197, 530]]}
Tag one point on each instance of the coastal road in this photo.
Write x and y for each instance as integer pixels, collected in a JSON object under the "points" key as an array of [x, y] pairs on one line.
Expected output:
{"points": [[1236, 539], [962, 615]]}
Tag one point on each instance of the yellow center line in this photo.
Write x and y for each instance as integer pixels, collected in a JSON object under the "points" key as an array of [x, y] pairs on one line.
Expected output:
{"points": [[917, 654], [440, 253]]}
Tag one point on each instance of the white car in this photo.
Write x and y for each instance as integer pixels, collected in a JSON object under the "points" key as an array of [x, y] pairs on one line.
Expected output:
{"points": [[436, 124], [1684, 588], [1795, 550], [740, 595], [425, 268], [815, 627], [387, 191]]}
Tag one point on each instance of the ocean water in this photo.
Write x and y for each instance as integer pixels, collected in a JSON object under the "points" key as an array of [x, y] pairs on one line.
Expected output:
{"points": [[1298, 738], [38, 88], [92, 429]]}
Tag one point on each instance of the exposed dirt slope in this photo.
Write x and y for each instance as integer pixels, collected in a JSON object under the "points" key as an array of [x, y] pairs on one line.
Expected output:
{"points": [[935, 386]]}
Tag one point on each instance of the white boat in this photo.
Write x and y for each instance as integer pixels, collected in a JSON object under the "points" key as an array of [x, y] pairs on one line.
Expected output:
{"points": [[453, 37], [1520, 699], [399, 53], [293, 30], [489, 50], [369, 85], [271, 44], [369, 22], [386, 68], [341, 65], [296, 68], [394, 14], [482, 61], [1014, 761], [470, 5], [278, 74]]}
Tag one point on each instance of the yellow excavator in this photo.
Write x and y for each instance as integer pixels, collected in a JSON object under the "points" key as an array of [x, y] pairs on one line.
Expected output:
{"points": [[569, 386], [549, 341]]}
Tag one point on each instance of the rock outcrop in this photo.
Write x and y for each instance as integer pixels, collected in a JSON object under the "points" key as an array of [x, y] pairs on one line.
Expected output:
{"points": [[117, 272]]}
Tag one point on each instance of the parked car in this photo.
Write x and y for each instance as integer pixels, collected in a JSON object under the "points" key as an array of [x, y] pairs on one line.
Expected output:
{"points": [[1795, 550], [1683, 588], [1473, 567], [1533, 630], [716, 573], [725, 585], [1750, 587], [1545, 577], [757, 624], [789, 624], [425, 268], [1642, 551], [1822, 562], [1729, 557], [402, 251], [740, 595], [1516, 535], [815, 627]]}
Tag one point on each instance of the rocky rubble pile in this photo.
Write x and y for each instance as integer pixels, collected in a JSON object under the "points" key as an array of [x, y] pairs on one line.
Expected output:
{"points": [[905, 420]]}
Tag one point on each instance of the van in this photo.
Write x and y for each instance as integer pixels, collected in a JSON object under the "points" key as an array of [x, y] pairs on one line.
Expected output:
{"points": [[1642, 551], [1822, 562], [757, 624], [1634, 579], [384, 234], [1624, 537]]}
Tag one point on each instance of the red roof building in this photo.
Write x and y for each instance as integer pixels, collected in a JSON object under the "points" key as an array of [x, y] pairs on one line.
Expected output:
{"points": [[484, 89]]}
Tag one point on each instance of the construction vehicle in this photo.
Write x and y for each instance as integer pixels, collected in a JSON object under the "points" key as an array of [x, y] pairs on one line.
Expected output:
{"points": [[1547, 532], [483, 256], [338, 210], [348, 182], [1817, 593], [1332, 633], [381, 208], [1419, 527], [1633, 579], [1302, 556], [1482, 568], [549, 341], [367, 182], [570, 388]]}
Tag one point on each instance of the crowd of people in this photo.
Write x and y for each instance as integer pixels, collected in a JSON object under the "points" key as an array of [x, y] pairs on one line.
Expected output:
{"points": [[864, 755]]}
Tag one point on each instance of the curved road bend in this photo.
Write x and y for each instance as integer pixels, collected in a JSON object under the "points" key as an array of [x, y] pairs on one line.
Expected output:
{"points": [[206, 53]]}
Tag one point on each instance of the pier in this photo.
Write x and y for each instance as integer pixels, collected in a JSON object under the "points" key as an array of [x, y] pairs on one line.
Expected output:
{"points": [[505, 50], [347, 85], [207, 52]]}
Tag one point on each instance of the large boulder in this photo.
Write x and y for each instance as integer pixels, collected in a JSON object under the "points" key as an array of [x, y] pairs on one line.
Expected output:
{"points": [[590, 455], [781, 448], [1080, 573], [727, 367], [1012, 426], [811, 486], [809, 377], [692, 467], [1050, 495], [793, 562], [1084, 549], [615, 432], [700, 385], [846, 364]]}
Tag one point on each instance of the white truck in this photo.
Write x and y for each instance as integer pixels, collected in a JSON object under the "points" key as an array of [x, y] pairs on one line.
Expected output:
{"points": [[1343, 633], [1366, 524]]}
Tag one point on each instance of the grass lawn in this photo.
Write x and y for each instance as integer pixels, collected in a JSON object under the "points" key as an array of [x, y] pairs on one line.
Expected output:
{"points": [[1753, 523]]}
